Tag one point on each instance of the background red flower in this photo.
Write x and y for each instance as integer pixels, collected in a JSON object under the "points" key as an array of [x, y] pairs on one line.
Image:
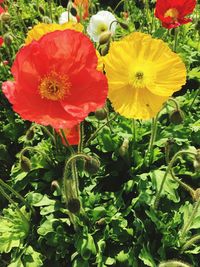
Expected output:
{"points": [[172, 12], [56, 81], [72, 135], [1, 41]]}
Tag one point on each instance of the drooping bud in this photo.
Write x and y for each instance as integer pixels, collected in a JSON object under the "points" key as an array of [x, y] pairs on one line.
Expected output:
{"points": [[104, 37], [123, 25], [8, 39], [74, 205], [5, 17], [30, 134], [100, 114], [25, 164], [177, 116], [41, 10], [92, 165], [73, 11]]}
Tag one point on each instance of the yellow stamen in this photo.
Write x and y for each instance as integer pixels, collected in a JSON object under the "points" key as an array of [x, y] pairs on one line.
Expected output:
{"points": [[54, 86], [172, 12]]}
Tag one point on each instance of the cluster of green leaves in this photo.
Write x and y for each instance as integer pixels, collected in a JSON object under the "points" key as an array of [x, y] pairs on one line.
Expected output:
{"points": [[117, 225]]}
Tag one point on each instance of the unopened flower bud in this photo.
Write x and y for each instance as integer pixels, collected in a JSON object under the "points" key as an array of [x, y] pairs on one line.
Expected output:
{"points": [[196, 194], [123, 25], [30, 134], [41, 10], [92, 165], [123, 150], [5, 17], [74, 205], [100, 114], [8, 39], [104, 37], [25, 164], [73, 11], [177, 116]]}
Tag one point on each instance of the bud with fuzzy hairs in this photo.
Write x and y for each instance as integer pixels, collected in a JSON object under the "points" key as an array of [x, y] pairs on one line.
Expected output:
{"points": [[25, 164], [5, 17], [92, 165], [8, 39], [177, 116], [100, 114]]}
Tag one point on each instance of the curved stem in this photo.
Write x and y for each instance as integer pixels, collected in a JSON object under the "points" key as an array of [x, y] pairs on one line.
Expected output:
{"points": [[29, 148], [184, 185], [47, 132], [174, 263], [175, 102], [169, 167]]}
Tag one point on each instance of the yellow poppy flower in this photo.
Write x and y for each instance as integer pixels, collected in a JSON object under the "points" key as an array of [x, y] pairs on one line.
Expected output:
{"points": [[142, 73], [42, 28]]}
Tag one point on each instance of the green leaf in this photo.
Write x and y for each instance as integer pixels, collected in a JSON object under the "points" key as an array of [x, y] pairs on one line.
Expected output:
{"points": [[146, 257], [13, 229], [170, 186]]}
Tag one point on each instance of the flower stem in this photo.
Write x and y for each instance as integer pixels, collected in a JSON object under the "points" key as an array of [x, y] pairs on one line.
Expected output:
{"points": [[169, 167], [67, 143], [192, 216], [81, 134], [175, 38], [190, 242], [195, 97], [99, 129], [152, 139], [3, 193], [2, 183], [184, 185], [174, 101]]}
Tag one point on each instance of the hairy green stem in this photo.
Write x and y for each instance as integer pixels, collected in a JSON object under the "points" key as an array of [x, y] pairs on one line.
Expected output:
{"points": [[174, 263], [175, 38], [169, 167], [14, 204], [23, 200], [81, 136], [195, 97], [190, 242], [152, 139]]}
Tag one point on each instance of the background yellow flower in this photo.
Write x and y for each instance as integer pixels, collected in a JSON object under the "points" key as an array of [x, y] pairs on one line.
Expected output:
{"points": [[142, 73], [42, 28]]}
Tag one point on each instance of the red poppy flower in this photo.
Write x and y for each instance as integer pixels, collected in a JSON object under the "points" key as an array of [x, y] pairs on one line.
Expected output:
{"points": [[72, 135], [82, 7], [172, 12], [2, 10], [1, 41], [56, 81]]}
